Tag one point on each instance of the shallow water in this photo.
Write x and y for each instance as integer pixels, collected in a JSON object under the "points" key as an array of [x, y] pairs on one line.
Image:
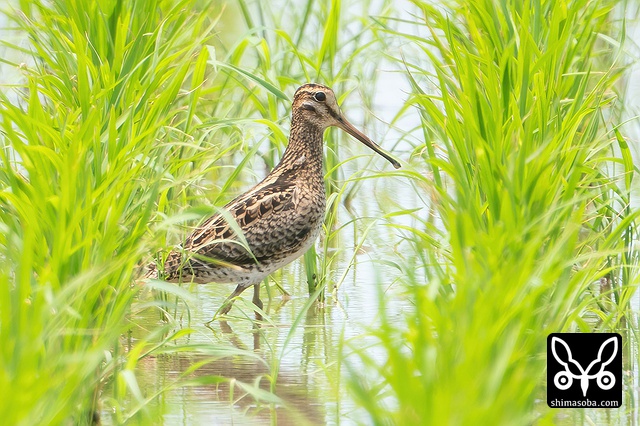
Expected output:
{"points": [[301, 362], [308, 380], [300, 347]]}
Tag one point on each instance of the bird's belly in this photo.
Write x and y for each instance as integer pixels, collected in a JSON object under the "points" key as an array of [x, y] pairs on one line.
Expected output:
{"points": [[294, 252], [291, 246], [294, 245], [240, 275]]}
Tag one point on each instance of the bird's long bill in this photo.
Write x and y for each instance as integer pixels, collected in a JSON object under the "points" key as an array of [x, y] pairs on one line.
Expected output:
{"points": [[349, 128]]}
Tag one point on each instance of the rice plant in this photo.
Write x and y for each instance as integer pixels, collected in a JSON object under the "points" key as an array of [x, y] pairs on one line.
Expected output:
{"points": [[126, 117], [132, 119], [84, 160], [531, 181]]}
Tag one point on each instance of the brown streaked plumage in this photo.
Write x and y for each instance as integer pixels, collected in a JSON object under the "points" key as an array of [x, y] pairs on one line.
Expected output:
{"points": [[280, 218]]}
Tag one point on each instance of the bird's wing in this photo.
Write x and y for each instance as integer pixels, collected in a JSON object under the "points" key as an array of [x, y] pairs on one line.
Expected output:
{"points": [[257, 216]]}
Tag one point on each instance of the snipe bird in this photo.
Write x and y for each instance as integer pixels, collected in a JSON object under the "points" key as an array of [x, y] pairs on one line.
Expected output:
{"points": [[280, 218]]}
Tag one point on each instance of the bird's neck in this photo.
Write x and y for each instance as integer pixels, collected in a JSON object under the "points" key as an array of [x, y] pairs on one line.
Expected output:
{"points": [[305, 149]]}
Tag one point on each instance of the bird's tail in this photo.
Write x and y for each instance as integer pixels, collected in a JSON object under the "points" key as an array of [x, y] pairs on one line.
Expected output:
{"points": [[171, 264], [150, 271]]}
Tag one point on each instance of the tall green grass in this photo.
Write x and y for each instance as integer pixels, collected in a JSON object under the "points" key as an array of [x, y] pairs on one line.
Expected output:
{"points": [[130, 119], [84, 161], [134, 117], [531, 180]]}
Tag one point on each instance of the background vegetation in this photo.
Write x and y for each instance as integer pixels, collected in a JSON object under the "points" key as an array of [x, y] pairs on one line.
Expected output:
{"points": [[131, 120]]}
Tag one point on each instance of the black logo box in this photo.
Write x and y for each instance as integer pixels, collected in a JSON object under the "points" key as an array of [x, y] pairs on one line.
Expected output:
{"points": [[584, 370]]}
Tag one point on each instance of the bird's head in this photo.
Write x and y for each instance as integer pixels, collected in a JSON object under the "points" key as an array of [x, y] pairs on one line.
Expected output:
{"points": [[317, 105]]}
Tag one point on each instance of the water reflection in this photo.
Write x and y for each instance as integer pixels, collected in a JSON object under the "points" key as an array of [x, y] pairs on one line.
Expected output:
{"points": [[298, 344], [233, 338], [208, 397], [238, 389]]}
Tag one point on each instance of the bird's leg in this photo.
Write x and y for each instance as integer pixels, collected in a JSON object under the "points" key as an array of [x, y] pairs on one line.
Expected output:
{"points": [[256, 299], [256, 295], [228, 302]]}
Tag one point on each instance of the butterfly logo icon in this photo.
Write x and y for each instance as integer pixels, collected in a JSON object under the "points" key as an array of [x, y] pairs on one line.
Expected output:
{"points": [[564, 379]]}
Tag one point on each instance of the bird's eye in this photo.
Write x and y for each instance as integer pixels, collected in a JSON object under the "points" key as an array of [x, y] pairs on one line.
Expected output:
{"points": [[320, 96]]}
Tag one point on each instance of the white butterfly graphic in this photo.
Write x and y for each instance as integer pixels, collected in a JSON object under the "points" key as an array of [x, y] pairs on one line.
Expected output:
{"points": [[564, 379]]}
